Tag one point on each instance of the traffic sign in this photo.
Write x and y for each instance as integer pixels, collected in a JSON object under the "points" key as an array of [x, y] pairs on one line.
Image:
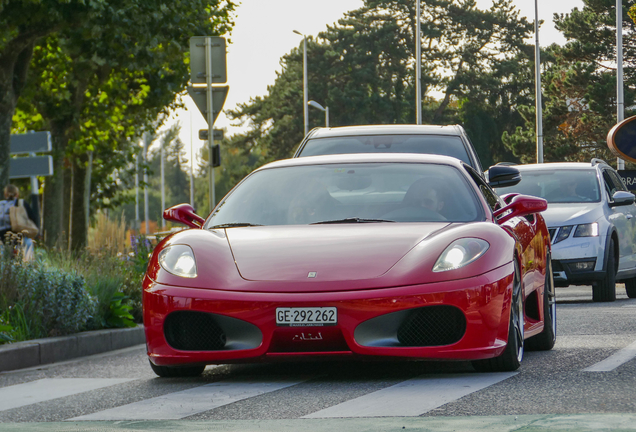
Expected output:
{"points": [[32, 142], [200, 97], [24, 167], [217, 134], [197, 60]]}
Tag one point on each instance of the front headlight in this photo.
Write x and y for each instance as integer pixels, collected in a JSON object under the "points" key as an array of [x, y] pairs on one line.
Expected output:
{"points": [[564, 232], [459, 253], [587, 230], [178, 260]]}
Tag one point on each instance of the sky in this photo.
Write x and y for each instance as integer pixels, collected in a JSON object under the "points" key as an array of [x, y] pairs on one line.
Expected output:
{"points": [[264, 33]]}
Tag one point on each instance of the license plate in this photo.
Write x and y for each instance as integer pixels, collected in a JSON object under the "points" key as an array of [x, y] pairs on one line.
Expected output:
{"points": [[306, 316]]}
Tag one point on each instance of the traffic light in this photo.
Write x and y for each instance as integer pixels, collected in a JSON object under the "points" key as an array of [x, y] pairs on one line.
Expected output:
{"points": [[216, 155]]}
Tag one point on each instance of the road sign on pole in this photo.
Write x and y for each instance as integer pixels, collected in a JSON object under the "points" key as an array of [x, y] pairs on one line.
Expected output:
{"points": [[198, 64], [32, 142], [200, 97], [25, 167]]}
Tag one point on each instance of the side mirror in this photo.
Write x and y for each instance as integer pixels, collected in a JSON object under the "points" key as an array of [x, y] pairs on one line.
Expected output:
{"points": [[503, 176], [520, 205], [621, 198], [183, 213]]}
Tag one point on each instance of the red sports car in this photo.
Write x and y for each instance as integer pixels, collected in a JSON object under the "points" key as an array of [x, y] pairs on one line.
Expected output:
{"points": [[354, 256]]}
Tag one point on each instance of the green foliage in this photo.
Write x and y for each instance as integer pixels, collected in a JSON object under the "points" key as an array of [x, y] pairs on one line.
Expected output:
{"points": [[119, 313]]}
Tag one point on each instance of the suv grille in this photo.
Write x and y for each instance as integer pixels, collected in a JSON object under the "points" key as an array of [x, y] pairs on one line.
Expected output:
{"points": [[432, 326]]}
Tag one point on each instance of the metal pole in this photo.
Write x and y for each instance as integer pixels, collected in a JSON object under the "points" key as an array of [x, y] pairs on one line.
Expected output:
{"points": [[146, 211], [537, 88], [327, 117], [620, 102], [305, 92], [137, 191], [418, 66], [191, 164], [210, 115], [163, 185]]}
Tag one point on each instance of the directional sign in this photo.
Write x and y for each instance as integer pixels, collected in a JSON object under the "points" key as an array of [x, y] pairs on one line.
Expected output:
{"points": [[217, 134], [197, 60], [199, 95], [33, 142], [24, 167], [621, 139], [629, 178]]}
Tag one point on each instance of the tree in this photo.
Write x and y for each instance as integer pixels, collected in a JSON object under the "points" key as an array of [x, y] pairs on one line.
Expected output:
{"points": [[363, 69], [579, 86], [131, 52]]}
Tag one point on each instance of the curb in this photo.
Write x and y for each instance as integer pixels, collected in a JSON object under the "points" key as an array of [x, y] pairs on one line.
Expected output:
{"points": [[38, 352]]}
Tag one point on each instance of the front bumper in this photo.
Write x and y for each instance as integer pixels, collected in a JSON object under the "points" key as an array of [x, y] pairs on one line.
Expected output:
{"points": [[566, 254], [484, 301]]}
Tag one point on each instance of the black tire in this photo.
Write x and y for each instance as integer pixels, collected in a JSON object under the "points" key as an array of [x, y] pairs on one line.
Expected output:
{"points": [[605, 290], [630, 287], [177, 371], [510, 359], [545, 340]]}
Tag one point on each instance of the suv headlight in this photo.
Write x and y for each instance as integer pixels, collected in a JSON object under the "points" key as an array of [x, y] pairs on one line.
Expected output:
{"points": [[178, 260], [564, 232], [460, 253], [587, 230]]}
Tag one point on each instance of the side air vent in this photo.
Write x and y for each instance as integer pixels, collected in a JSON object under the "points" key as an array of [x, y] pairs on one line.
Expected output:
{"points": [[432, 326], [193, 331]]}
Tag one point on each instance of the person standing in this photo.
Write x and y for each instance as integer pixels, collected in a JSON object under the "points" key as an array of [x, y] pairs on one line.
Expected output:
{"points": [[12, 199]]}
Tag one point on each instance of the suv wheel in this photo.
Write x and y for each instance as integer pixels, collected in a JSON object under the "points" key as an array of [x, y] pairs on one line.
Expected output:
{"points": [[630, 287], [605, 290]]}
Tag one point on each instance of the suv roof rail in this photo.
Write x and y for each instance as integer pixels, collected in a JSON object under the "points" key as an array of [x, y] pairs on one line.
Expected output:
{"points": [[506, 163], [596, 161]]}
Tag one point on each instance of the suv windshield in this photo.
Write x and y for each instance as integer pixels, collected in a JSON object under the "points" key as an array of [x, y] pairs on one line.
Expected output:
{"points": [[564, 186], [350, 193], [445, 145]]}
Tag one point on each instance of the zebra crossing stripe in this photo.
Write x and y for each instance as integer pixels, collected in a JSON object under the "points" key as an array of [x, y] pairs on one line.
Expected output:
{"points": [[20, 395], [413, 397], [615, 360], [175, 406]]}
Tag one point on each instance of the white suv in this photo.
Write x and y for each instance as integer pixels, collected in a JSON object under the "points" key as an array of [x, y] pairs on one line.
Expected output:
{"points": [[591, 221]]}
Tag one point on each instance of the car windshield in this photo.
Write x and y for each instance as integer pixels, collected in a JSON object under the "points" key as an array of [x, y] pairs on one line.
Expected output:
{"points": [[350, 193], [445, 145], [560, 186]]}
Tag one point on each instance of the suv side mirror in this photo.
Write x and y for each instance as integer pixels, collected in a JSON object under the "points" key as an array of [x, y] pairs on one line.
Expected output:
{"points": [[183, 213], [503, 176], [621, 198], [519, 205]]}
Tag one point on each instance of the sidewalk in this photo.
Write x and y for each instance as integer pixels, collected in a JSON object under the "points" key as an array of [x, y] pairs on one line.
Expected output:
{"points": [[37, 352]]}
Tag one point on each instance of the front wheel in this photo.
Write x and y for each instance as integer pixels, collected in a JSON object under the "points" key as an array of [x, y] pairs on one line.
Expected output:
{"points": [[545, 340], [510, 359], [177, 371], [605, 289]]}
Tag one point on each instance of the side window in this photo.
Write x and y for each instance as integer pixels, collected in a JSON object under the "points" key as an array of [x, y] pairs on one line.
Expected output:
{"points": [[610, 186], [489, 195], [617, 180]]}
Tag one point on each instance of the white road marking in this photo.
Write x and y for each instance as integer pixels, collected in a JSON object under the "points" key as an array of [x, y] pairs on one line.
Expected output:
{"points": [[615, 360], [175, 406], [20, 395], [413, 397]]}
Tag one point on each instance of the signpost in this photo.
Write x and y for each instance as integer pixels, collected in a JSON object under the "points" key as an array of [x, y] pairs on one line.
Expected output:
{"points": [[31, 166], [208, 66]]}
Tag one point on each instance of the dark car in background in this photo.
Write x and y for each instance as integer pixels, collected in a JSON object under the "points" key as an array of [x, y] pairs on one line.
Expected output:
{"points": [[426, 139]]}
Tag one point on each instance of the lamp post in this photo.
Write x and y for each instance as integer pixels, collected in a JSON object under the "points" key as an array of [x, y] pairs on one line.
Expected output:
{"points": [[620, 109], [418, 67], [325, 110], [537, 85], [306, 107]]}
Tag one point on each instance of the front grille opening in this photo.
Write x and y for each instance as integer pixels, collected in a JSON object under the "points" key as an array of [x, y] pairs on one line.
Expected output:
{"points": [[432, 326], [193, 331]]}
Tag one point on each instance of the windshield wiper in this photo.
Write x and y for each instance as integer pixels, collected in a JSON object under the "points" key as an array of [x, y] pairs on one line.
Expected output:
{"points": [[351, 220], [235, 225]]}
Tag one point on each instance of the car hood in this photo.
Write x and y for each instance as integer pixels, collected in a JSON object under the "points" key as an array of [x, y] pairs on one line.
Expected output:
{"points": [[328, 252], [572, 214]]}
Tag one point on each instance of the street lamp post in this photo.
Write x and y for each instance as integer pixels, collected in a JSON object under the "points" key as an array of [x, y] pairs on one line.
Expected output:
{"points": [[325, 110], [418, 66], [620, 109], [305, 95], [537, 85]]}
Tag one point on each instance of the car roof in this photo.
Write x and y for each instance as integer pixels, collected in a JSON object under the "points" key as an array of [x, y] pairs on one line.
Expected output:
{"points": [[365, 158], [551, 166], [402, 129]]}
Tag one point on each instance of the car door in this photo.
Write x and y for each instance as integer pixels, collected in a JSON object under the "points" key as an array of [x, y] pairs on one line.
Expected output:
{"points": [[622, 217]]}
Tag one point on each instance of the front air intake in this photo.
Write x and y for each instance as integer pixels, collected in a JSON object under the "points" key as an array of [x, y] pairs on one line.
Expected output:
{"points": [[193, 331], [432, 326]]}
